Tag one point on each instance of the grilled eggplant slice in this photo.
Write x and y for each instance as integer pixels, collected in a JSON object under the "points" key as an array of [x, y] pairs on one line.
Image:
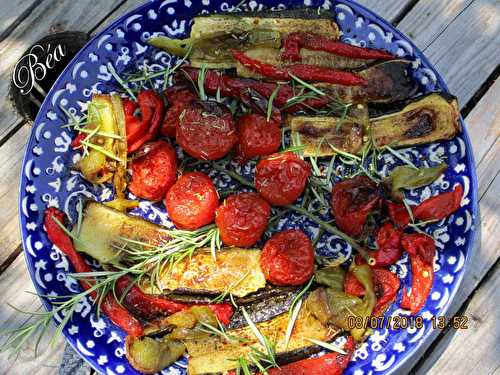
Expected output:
{"points": [[425, 119], [234, 269], [103, 227], [214, 354], [319, 134]]}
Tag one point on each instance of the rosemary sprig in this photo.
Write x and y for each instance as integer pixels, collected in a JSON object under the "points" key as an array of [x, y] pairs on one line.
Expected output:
{"points": [[271, 100], [327, 345], [201, 82], [307, 85], [400, 156], [221, 297], [118, 79], [294, 311], [270, 355]]}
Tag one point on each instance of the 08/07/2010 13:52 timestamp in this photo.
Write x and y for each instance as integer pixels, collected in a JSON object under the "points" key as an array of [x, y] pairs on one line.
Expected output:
{"points": [[404, 322]]}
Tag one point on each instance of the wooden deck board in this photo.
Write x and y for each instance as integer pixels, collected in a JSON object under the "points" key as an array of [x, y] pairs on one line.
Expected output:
{"points": [[466, 51], [12, 156], [470, 60], [474, 350], [11, 14], [14, 287], [66, 15]]}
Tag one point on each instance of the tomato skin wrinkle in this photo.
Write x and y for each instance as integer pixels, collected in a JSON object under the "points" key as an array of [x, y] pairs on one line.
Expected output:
{"points": [[257, 136], [281, 178], [179, 99], [191, 202], [288, 258], [154, 172], [206, 130], [352, 201], [389, 245], [242, 219]]}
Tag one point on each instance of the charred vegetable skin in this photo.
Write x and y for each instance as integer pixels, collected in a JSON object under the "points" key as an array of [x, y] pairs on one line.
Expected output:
{"points": [[212, 36], [426, 119], [110, 306]]}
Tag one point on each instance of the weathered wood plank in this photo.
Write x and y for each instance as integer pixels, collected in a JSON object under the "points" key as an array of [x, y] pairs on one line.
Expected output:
{"points": [[12, 157], [124, 8], [15, 281], [429, 18], [483, 121], [465, 51], [474, 350], [12, 14], [487, 111], [45, 19], [388, 9]]}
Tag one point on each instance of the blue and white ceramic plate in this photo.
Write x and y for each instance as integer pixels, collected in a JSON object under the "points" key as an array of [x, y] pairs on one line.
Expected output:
{"points": [[48, 180]]}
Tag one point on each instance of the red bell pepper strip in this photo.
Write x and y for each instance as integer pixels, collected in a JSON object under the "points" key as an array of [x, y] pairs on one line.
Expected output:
{"points": [[420, 244], [398, 213], [144, 129], [150, 306], [77, 141], [422, 279], [332, 363], [302, 71], [223, 312], [439, 206], [389, 245], [387, 285], [294, 41], [434, 208], [117, 313]]}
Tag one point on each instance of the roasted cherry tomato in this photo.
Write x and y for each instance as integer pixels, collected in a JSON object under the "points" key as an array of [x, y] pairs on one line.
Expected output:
{"points": [[421, 244], [352, 201], [281, 178], [389, 245], [386, 283], [329, 364], [206, 130], [154, 171], [191, 202], [242, 219], [288, 258], [179, 99], [257, 136]]}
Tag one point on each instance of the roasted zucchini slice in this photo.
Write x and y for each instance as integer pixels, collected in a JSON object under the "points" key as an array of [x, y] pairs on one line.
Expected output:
{"points": [[425, 119], [304, 20], [104, 227], [235, 270], [215, 354], [322, 135]]}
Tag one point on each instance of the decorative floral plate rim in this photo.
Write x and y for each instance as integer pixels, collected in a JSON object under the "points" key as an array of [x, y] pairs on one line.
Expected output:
{"points": [[108, 358]]}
